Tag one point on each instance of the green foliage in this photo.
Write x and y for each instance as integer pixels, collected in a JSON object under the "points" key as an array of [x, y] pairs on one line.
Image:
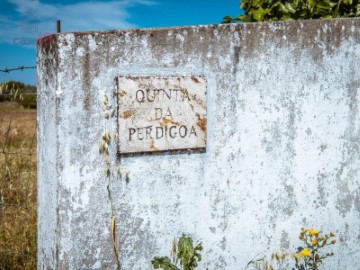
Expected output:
{"points": [[188, 255], [280, 10], [23, 94], [163, 263], [28, 101], [184, 252]]}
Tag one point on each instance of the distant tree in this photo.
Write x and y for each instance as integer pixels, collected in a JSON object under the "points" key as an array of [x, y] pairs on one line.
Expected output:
{"points": [[19, 92], [280, 10]]}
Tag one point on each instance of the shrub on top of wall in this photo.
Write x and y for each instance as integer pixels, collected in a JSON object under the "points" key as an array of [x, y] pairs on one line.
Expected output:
{"points": [[271, 10]]}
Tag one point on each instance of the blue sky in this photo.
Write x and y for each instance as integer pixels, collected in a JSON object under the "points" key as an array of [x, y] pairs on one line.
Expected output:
{"points": [[23, 21]]}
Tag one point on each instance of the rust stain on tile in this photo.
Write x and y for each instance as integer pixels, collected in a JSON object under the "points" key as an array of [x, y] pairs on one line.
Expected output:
{"points": [[166, 121], [196, 80], [152, 145], [126, 114], [201, 122], [122, 93]]}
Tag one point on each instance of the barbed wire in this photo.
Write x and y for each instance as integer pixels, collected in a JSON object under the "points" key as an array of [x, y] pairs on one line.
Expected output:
{"points": [[8, 70]]}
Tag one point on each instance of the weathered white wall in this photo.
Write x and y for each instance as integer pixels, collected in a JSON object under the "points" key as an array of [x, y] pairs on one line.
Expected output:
{"points": [[283, 149]]}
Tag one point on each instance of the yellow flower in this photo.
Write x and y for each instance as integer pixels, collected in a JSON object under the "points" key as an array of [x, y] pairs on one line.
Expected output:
{"points": [[305, 252], [333, 242], [314, 242], [313, 232]]}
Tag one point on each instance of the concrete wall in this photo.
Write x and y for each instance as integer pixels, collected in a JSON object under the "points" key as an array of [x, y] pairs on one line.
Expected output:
{"points": [[283, 149]]}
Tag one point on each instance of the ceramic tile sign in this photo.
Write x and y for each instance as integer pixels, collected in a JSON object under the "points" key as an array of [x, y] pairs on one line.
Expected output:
{"points": [[161, 113]]}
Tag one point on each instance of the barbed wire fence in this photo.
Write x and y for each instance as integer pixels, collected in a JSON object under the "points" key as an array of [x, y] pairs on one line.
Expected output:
{"points": [[17, 173], [8, 70]]}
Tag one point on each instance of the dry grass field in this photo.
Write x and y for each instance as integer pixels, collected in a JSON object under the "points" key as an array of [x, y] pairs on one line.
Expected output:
{"points": [[17, 187]]}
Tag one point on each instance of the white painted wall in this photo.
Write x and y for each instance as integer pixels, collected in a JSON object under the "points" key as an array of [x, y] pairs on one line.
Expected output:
{"points": [[282, 152]]}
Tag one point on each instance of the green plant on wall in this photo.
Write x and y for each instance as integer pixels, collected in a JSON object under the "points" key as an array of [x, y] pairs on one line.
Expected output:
{"points": [[312, 255], [309, 256], [183, 253], [271, 10]]}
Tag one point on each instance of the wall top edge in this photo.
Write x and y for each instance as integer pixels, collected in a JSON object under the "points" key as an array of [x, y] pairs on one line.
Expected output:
{"points": [[230, 26]]}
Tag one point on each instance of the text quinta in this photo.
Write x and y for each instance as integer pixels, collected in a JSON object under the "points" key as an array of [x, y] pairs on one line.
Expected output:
{"points": [[161, 95]]}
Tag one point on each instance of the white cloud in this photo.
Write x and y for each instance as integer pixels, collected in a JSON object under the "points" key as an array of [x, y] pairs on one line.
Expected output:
{"points": [[32, 19]]}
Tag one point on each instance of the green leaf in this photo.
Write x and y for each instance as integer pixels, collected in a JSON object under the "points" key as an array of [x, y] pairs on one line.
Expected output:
{"points": [[244, 18], [323, 8], [257, 3], [327, 17], [285, 18], [260, 13], [290, 7], [187, 254], [332, 4], [227, 19], [244, 4], [241, 18], [163, 263], [311, 2]]}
